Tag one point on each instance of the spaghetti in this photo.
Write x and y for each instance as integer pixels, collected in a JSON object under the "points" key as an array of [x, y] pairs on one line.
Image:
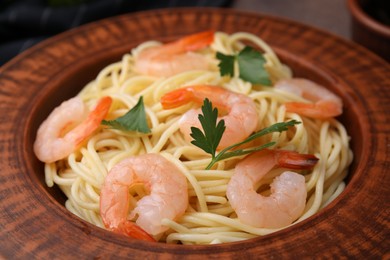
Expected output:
{"points": [[209, 218]]}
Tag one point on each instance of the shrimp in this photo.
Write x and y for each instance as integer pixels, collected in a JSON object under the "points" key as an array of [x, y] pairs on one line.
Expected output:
{"points": [[168, 196], [241, 119], [175, 57], [326, 104], [54, 141], [288, 191]]}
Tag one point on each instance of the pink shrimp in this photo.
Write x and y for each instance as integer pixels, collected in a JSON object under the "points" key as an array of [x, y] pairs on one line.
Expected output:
{"points": [[288, 191], [168, 196], [241, 119], [326, 104], [175, 57], [54, 142]]}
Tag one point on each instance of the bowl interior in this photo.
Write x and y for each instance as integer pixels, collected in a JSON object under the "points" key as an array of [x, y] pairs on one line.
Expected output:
{"points": [[72, 80]]}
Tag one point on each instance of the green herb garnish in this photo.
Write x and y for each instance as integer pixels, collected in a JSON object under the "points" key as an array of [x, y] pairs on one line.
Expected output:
{"points": [[133, 120], [250, 65], [226, 64], [209, 139]]}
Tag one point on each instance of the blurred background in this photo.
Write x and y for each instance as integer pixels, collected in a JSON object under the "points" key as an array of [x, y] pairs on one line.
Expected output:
{"points": [[330, 15], [23, 23]]}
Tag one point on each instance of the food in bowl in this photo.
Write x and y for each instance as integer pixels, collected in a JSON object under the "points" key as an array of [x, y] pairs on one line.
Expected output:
{"points": [[202, 140]]}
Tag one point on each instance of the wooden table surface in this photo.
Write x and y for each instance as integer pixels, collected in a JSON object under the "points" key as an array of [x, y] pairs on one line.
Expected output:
{"points": [[330, 15]]}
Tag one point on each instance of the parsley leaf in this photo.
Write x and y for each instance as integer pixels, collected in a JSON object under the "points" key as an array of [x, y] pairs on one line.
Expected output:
{"points": [[226, 66], [209, 140], [277, 127], [250, 64], [133, 120]]}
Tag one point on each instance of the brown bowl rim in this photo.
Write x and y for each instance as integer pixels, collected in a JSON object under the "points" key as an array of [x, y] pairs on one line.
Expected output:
{"points": [[88, 231]]}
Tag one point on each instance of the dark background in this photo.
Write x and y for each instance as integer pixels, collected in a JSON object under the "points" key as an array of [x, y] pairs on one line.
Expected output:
{"points": [[330, 15], [23, 23]]}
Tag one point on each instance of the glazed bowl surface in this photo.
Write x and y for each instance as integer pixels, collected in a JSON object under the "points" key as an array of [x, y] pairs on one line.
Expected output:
{"points": [[34, 220]]}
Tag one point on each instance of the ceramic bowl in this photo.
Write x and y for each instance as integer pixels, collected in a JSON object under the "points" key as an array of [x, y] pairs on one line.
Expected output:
{"points": [[34, 221]]}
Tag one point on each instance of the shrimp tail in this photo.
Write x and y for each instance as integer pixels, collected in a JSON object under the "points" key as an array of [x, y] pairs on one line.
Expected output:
{"points": [[134, 231], [321, 110], [197, 41], [101, 109], [93, 120], [297, 107], [294, 160], [196, 93], [176, 98]]}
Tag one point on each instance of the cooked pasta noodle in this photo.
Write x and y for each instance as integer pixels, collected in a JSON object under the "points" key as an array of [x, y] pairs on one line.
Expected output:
{"points": [[209, 218]]}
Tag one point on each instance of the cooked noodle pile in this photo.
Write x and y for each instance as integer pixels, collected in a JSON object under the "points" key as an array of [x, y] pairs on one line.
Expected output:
{"points": [[209, 219]]}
